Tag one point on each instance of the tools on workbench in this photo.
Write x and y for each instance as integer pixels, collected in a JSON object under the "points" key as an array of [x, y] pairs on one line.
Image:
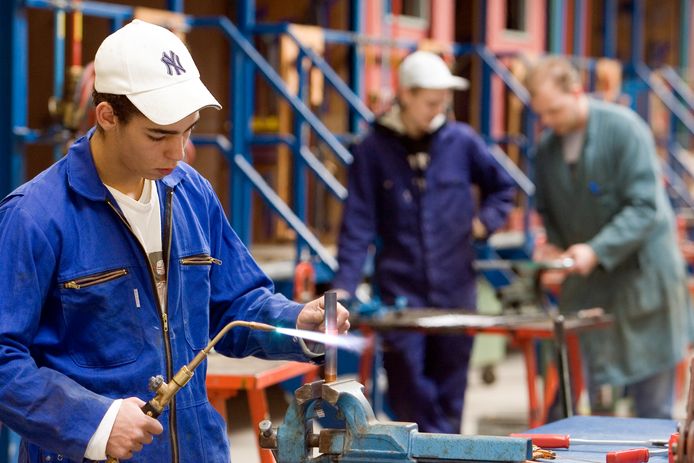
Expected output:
{"points": [[640, 455], [634, 455], [563, 441], [363, 438]]}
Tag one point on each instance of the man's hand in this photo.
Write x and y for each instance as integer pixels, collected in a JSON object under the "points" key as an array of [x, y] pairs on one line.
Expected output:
{"points": [[547, 251], [131, 430], [479, 231], [585, 259], [312, 316]]}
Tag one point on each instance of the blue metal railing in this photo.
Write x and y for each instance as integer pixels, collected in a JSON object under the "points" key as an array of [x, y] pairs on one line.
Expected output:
{"points": [[268, 72], [679, 86], [683, 115], [351, 98], [224, 146]]}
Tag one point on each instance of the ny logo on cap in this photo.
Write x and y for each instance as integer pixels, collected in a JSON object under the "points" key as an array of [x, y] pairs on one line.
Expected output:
{"points": [[173, 63]]}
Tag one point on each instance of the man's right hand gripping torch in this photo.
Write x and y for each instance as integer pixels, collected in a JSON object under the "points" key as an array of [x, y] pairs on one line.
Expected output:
{"points": [[164, 391]]}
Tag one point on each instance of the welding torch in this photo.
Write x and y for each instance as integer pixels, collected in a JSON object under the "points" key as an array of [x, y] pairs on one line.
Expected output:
{"points": [[164, 391]]}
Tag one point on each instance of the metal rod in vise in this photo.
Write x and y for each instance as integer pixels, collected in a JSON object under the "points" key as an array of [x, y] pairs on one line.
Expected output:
{"points": [[330, 304]]}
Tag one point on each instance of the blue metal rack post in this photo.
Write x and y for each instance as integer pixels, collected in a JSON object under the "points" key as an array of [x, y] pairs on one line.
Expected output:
{"points": [[609, 49], [299, 166], [557, 43], [238, 106], [7, 13], [357, 56]]}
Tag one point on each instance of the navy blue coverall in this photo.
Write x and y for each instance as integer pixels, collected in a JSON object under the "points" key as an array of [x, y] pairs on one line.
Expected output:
{"points": [[425, 253]]}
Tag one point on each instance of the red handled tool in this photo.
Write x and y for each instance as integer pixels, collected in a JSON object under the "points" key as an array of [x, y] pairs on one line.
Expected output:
{"points": [[562, 441], [632, 455]]}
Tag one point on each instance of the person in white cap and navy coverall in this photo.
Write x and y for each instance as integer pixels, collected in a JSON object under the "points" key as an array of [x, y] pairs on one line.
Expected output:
{"points": [[410, 192], [119, 264]]}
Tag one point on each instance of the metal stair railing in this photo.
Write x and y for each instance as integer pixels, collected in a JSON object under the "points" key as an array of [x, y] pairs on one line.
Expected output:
{"points": [[272, 77], [303, 115], [681, 115], [224, 145], [492, 66], [351, 98], [677, 109], [678, 85]]}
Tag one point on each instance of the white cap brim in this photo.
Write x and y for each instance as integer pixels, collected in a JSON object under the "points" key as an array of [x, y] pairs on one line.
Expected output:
{"points": [[450, 82], [460, 83], [168, 105]]}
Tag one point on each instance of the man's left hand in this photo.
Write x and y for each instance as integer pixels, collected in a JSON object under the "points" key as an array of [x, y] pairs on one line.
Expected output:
{"points": [[312, 316], [479, 231], [585, 259]]}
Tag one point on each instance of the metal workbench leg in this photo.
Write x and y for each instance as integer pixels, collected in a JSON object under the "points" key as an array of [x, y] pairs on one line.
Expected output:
{"points": [[535, 409]]}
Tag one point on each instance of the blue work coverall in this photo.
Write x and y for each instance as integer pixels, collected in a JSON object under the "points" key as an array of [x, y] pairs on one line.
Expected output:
{"points": [[425, 253], [80, 323]]}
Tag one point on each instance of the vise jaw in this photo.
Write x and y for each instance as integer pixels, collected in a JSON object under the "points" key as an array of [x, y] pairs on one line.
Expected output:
{"points": [[365, 439]]}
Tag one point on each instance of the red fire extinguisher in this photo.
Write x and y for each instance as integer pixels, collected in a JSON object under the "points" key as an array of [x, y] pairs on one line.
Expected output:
{"points": [[304, 278]]}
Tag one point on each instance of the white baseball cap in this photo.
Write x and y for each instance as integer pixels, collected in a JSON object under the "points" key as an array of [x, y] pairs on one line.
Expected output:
{"points": [[154, 69], [423, 69]]}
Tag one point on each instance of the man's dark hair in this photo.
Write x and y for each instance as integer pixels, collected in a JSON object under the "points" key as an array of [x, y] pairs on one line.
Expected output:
{"points": [[123, 108]]}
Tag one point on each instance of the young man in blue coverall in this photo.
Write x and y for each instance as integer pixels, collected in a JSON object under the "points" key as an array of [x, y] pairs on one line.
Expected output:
{"points": [[410, 188], [119, 264]]}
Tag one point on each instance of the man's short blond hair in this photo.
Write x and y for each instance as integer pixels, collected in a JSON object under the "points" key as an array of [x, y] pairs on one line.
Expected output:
{"points": [[555, 69]]}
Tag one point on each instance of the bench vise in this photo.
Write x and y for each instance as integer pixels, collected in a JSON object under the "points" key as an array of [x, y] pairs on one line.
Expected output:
{"points": [[365, 439]]}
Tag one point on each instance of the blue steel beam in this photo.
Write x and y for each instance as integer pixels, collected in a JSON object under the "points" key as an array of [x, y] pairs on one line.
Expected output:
{"points": [[241, 115], [609, 49], [19, 69], [7, 13], [98, 9], [357, 19], [579, 26], [668, 99], [504, 74], [299, 171], [175, 5], [276, 82], [685, 34], [333, 79], [557, 44], [679, 86], [521, 180], [59, 23], [284, 211], [249, 173], [637, 31]]}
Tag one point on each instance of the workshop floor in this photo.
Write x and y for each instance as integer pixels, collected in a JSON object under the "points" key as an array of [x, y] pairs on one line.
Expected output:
{"points": [[494, 409]]}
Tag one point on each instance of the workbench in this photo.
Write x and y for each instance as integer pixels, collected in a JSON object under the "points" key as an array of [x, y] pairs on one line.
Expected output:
{"points": [[522, 329], [226, 376], [606, 428]]}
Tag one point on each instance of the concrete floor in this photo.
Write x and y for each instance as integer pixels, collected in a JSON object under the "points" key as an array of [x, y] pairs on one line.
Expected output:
{"points": [[492, 409]]}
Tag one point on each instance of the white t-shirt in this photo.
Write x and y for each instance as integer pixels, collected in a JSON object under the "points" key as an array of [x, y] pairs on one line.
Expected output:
{"points": [[572, 145], [144, 217]]}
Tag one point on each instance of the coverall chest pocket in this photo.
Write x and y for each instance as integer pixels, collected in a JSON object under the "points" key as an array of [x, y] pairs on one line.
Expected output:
{"points": [[195, 289], [397, 202], [102, 318], [451, 194]]}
